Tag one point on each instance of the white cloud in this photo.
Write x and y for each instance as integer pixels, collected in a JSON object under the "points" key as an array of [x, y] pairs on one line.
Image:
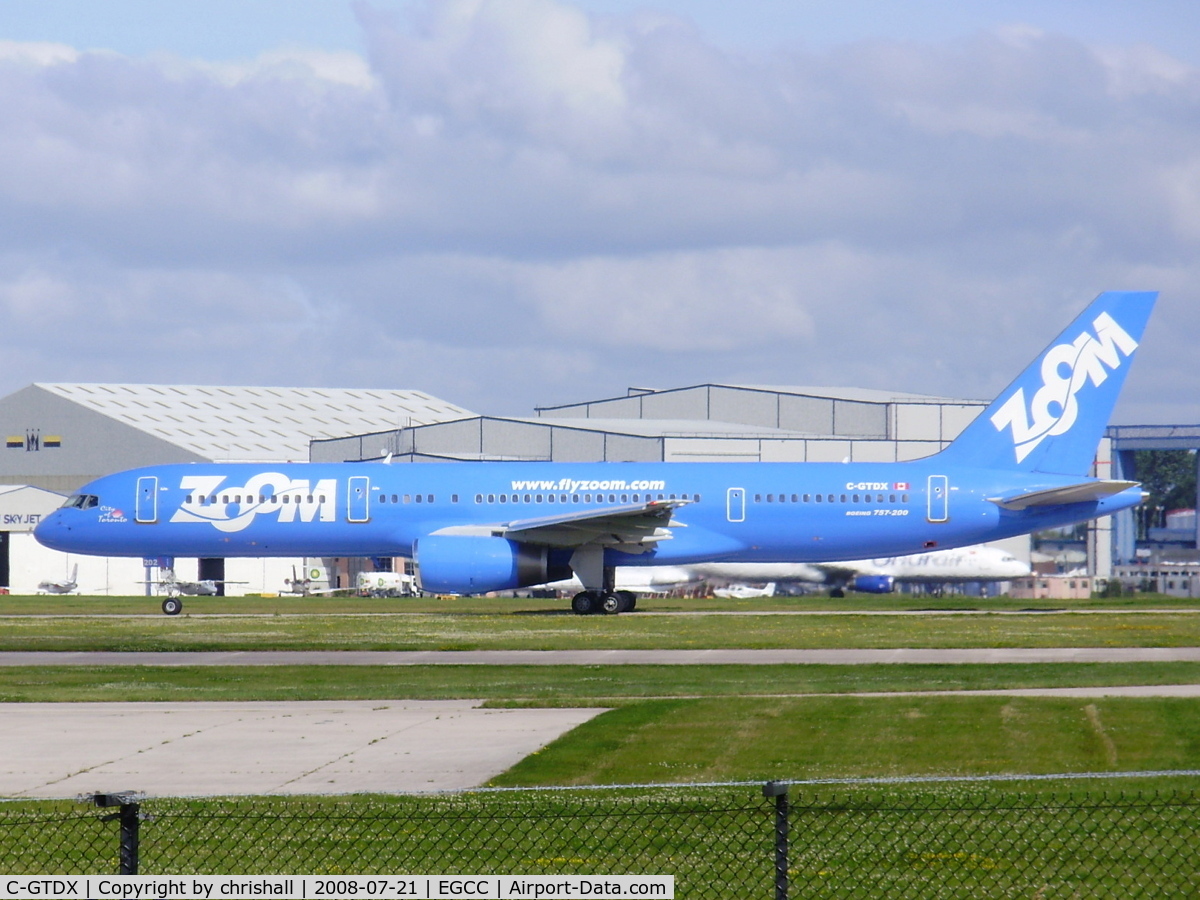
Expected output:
{"points": [[581, 202]]}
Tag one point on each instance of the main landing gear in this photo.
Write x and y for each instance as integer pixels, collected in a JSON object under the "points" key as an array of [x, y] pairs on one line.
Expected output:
{"points": [[607, 603], [172, 606]]}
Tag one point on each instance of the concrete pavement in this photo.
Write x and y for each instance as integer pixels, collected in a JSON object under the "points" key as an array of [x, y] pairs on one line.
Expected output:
{"points": [[315, 747]]}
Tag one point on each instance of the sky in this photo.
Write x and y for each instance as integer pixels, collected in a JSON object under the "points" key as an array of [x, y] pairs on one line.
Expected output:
{"points": [[523, 203]]}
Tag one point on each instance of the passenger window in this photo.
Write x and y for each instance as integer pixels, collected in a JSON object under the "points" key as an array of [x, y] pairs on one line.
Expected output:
{"points": [[454, 498], [806, 498], [479, 498], [491, 498], [420, 498], [820, 498]]}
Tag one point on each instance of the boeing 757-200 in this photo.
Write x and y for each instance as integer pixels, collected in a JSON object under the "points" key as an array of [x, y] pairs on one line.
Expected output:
{"points": [[1021, 466]]}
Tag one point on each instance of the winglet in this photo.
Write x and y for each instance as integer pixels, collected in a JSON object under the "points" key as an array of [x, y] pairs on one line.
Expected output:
{"points": [[1051, 418]]}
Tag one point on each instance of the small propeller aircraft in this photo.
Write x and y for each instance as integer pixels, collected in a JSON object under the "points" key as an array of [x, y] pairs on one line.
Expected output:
{"points": [[69, 586]]}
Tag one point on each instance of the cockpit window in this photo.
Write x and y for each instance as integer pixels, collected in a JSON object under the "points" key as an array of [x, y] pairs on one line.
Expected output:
{"points": [[82, 501]]}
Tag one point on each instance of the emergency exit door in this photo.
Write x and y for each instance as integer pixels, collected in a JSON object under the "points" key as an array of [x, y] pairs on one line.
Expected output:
{"points": [[735, 505], [358, 499], [146, 507], [938, 499]]}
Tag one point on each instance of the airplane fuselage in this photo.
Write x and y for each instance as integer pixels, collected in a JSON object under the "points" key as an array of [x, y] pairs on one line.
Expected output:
{"points": [[770, 512]]}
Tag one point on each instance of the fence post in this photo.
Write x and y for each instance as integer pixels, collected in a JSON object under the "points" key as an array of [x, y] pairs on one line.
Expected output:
{"points": [[129, 817], [779, 790]]}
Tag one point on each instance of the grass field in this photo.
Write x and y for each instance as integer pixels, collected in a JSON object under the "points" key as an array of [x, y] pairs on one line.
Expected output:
{"points": [[103, 629], [552, 685], [670, 723], [138, 605]]}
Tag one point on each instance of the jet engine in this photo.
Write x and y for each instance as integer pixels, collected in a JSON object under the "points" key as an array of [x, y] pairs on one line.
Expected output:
{"points": [[874, 584], [476, 564]]}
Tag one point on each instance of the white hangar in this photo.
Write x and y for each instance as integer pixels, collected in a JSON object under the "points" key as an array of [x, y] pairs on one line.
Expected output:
{"points": [[707, 422], [60, 436]]}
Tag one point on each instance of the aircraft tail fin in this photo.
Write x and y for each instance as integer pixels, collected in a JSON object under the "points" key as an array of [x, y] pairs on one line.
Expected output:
{"points": [[1052, 417], [75, 574]]}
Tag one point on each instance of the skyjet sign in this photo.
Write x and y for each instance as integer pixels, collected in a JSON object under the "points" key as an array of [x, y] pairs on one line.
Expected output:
{"points": [[1065, 370], [268, 493]]}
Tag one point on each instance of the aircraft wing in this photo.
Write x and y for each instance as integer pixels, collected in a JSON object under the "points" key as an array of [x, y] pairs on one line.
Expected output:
{"points": [[1083, 492], [631, 525]]}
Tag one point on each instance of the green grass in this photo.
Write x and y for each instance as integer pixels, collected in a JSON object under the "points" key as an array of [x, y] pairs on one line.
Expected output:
{"points": [[550, 685], [735, 739], [716, 842], [286, 605], [562, 630]]}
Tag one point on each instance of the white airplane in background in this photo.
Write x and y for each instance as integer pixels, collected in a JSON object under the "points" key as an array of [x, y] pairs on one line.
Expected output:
{"points": [[744, 591], [879, 576], [872, 576], [61, 587]]}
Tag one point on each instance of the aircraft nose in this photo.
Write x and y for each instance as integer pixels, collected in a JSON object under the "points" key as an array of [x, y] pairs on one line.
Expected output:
{"points": [[51, 530]]}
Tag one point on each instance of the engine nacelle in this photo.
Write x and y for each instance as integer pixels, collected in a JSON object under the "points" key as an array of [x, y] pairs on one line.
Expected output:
{"points": [[875, 584], [476, 564]]}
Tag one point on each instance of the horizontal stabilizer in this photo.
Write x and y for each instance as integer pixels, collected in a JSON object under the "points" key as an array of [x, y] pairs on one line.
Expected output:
{"points": [[1084, 492]]}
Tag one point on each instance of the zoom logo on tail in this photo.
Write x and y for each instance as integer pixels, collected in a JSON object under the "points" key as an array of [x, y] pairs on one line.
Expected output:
{"points": [[1066, 369]]}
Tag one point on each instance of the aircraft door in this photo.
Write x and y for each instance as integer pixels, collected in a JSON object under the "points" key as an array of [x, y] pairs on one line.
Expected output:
{"points": [[146, 505], [735, 505], [938, 499], [358, 499]]}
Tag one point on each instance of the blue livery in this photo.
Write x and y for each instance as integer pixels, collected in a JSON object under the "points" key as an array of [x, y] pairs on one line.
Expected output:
{"points": [[1023, 465]]}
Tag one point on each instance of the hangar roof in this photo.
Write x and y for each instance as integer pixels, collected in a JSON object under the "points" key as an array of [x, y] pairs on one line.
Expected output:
{"points": [[861, 395], [255, 423]]}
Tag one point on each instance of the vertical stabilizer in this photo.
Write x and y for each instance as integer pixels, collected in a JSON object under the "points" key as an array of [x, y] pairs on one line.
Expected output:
{"points": [[1051, 418]]}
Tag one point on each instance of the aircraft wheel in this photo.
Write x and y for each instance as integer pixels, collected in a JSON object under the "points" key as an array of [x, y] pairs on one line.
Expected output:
{"points": [[584, 603], [837, 592], [172, 606], [611, 604], [628, 601]]}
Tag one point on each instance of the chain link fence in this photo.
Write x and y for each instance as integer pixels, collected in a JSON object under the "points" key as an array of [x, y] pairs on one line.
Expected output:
{"points": [[900, 840]]}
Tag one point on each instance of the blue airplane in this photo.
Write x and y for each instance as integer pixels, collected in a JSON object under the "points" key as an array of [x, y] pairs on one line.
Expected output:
{"points": [[1021, 466]]}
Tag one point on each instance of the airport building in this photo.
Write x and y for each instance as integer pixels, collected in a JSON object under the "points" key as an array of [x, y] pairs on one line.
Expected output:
{"points": [[60, 436], [701, 423]]}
